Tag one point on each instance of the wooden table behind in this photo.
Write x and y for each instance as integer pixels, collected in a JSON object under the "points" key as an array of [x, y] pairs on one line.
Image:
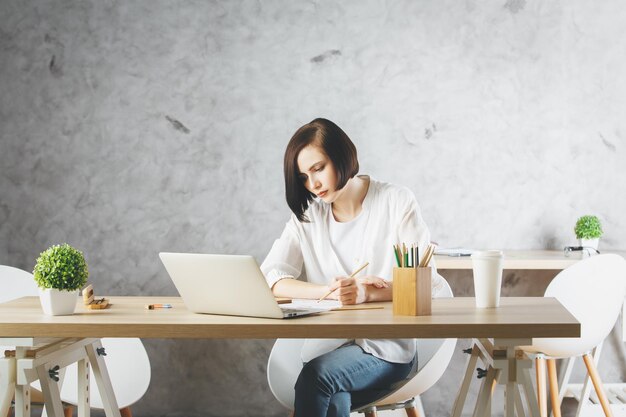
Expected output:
{"points": [[521, 259]]}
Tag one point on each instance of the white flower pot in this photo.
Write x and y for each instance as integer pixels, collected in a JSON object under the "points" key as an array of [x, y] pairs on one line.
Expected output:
{"points": [[590, 243], [57, 302]]}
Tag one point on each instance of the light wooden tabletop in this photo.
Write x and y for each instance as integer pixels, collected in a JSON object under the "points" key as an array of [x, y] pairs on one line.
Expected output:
{"points": [[517, 317], [521, 259]]}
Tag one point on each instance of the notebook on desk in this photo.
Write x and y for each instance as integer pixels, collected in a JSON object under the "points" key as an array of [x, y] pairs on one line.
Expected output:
{"points": [[226, 284]]}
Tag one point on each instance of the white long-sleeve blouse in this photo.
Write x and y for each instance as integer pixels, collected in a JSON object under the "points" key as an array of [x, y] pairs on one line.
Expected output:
{"points": [[393, 216]]}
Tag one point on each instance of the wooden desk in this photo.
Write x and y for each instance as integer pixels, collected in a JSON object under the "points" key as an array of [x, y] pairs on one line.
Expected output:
{"points": [[521, 259], [516, 322], [517, 317]]}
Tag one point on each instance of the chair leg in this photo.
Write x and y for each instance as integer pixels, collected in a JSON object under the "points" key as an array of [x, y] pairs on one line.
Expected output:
{"points": [[597, 384], [68, 411], [540, 363], [412, 412], [125, 412], [554, 388]]}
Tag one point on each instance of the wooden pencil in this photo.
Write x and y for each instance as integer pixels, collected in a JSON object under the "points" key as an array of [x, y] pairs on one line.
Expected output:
{"points": [[351, 276]]}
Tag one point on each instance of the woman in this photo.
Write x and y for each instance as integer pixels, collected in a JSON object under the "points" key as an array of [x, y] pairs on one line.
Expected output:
{"points": [[339, 222]]}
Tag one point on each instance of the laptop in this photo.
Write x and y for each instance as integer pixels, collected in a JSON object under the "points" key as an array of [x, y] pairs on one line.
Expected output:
{"points": [[226, 284]]}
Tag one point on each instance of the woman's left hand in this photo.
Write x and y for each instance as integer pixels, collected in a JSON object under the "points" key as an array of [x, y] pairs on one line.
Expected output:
{"points": [[356, 290]]}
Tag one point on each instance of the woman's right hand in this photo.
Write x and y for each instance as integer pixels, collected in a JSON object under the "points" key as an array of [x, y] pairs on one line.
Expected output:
{"points": [[350, 290], [344, 289]]}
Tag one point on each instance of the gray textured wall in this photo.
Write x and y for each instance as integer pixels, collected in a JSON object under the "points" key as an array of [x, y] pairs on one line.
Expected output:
{"points": [[128, 128]]}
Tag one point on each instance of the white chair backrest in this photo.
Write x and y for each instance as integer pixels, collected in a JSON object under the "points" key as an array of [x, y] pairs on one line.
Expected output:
{"points": [[283, 367], [15, 283], [593, 291], [285, 363]]}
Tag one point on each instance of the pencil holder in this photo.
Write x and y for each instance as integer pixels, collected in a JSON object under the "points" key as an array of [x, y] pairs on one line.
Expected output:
{"points": [[412, 290]]}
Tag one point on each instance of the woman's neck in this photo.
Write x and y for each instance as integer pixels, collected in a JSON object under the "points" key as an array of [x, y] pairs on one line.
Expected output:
{"points": [[350, 203]]}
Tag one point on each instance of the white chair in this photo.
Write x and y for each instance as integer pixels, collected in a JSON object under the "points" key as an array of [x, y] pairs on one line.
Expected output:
{"points": [[593, 291], [15, 283], [285, 363], [126, 359]]}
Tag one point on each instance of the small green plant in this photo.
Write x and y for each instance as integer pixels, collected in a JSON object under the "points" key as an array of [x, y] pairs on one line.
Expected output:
{"points": [[61, 267], [588, 227]]}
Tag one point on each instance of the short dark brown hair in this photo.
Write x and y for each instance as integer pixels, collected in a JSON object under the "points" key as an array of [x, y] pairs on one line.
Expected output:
{"points": [[334, 143]]}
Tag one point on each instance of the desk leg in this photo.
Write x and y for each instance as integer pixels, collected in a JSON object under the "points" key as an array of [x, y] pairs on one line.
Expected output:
{"points": [[519, 405], [531, 397], [509, 397], [507, 366], [510, 391], [83, 389], [512, 364], [483, 402], [103, 380], [494, 384], [467, 379], [7, 384], [51, 392], [22, 401], [22, 391]]}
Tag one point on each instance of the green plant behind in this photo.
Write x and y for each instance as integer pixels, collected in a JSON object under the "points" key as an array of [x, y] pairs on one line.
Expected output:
{"points": [[61, 267], [588, 227]]}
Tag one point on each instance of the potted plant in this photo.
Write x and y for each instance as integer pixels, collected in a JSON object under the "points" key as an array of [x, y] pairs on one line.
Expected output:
{"points": [[589, 230], [60, 272]]}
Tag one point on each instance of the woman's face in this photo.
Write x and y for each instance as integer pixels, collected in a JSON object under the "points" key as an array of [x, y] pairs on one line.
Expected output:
{"points": [[318, 173]]}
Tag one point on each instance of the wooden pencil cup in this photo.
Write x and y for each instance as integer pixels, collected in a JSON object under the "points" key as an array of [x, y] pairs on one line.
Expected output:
{"points": [[412, 290]]}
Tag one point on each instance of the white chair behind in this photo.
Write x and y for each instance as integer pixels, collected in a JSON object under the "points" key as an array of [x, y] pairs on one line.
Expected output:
{"points": [[14, 283], [593, 291], [126, 358], [284, 366]]}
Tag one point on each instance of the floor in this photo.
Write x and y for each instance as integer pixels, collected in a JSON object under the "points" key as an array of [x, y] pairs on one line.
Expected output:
{"points": [[568, 409]]}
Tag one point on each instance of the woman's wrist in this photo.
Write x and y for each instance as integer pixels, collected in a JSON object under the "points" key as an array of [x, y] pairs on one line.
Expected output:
{"points": [[373, 294], [368, 293]]}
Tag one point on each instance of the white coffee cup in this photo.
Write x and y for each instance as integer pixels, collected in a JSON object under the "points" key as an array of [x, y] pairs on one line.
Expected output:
{"points": [[487, 267]]}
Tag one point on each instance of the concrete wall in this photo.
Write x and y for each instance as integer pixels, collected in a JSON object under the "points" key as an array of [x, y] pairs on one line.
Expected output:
{"points": [[129, 128]]}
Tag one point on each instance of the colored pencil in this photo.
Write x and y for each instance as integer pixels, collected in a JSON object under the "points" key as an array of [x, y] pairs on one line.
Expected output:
{"points": [[395, 252]]}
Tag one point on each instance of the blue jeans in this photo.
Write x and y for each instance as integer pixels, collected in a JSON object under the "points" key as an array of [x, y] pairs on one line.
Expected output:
{"points": [[346, 378]]}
